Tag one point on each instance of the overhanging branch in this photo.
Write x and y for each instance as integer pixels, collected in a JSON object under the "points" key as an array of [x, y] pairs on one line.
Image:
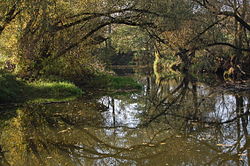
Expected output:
{"points": [[94, 15], [237, 18], [90, 33]]}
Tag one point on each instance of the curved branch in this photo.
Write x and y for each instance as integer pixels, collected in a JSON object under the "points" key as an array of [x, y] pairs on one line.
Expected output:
{"points": [[228, 45], [90, 16], [85, 37], [206, 29], [237, 18]]}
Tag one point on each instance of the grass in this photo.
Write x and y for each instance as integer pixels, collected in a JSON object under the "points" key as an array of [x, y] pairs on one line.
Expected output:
{"points": [[14, 90], [117, 82], [53, 91], [114, 82]]}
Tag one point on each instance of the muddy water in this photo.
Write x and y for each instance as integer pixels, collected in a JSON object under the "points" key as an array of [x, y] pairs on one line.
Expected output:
{"points": [[180, 121]]}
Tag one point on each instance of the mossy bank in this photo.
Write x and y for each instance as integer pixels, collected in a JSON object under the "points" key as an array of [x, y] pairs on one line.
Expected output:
{"points": [[14, 90]]}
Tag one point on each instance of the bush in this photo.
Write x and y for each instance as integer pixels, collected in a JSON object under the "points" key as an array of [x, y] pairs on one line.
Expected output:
{"points": [[11, 89]]}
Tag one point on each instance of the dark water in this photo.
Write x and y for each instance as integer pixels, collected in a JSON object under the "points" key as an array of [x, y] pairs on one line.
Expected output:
{"points": [[179, 121]]}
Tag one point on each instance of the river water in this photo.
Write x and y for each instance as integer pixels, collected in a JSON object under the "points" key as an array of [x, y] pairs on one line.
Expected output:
{"points": [[172, 121]]}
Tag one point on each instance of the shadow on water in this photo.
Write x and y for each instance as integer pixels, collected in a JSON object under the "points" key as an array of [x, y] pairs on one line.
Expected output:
{"points": [[177, 121]]}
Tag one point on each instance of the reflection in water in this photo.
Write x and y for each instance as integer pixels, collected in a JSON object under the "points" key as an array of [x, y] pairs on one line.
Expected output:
{"points": [[120, 113], [176, 122]]}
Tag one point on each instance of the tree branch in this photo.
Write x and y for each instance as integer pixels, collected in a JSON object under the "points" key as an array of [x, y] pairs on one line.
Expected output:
{"points": [[11, 15], [238, 18], [90, 16], [85, 37], [229, 45], [206, 29]]}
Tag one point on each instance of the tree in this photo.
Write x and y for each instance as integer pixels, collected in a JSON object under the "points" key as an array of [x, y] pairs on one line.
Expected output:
{"points": [[8, 12], [235, 26], [53, 31]]}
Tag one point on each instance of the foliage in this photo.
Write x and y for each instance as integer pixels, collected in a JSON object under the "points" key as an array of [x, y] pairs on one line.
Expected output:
{"points": [[11, 89], [128, 38], [69, 39]]}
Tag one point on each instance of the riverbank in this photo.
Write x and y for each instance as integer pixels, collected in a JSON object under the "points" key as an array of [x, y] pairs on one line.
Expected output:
{"points": [[15, 90], [111, 82]]}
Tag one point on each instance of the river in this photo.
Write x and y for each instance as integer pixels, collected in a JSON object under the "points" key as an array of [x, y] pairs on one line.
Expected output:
{"points": [[175, 121]]}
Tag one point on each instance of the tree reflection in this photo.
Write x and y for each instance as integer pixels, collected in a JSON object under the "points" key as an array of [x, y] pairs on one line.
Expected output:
{"points": [[209, 114], [177, 122]]}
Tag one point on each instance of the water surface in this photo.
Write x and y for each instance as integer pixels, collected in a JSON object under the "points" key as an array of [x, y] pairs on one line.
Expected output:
{"points": [[180, 121]]}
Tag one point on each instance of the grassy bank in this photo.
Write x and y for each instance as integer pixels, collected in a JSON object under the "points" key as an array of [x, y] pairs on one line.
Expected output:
{"points": [[114, 83], [14, 90]]}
